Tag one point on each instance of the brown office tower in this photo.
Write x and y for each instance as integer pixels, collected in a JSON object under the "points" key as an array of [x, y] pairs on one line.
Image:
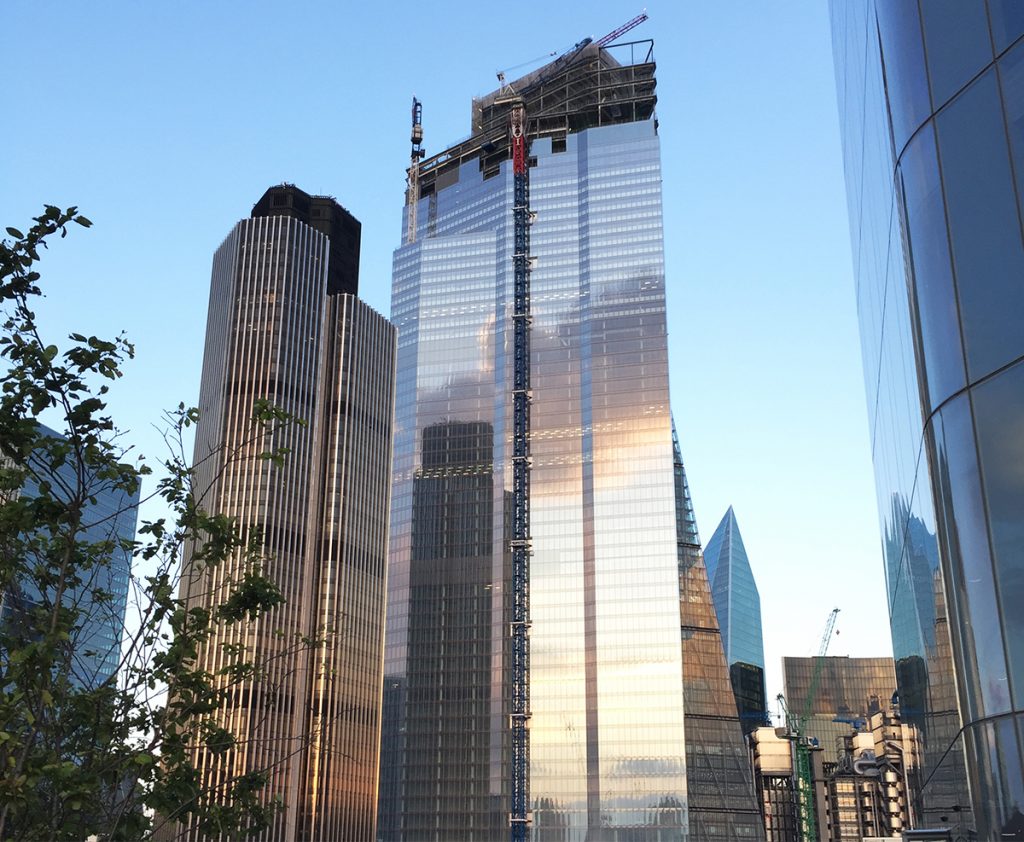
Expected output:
{"points": [[285, 326]]}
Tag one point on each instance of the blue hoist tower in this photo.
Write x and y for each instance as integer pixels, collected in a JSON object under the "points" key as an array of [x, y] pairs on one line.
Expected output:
{"points": [[519, 818], [522, 217]]}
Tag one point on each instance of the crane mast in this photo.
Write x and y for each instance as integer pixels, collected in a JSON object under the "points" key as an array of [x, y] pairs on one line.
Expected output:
{"points": [[519, 817], [412, 193], [797, 722]]}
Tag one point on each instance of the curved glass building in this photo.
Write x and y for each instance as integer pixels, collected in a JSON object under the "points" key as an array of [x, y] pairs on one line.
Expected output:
{"points": [[931, 100]]}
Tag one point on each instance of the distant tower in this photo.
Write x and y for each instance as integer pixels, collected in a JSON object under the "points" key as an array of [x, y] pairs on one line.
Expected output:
{"points": [[738, 607], [286, 326]]}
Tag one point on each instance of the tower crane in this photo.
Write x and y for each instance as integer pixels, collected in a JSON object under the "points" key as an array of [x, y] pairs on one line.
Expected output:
{"points": [[622, 30], [797, 724], [412, 193]]}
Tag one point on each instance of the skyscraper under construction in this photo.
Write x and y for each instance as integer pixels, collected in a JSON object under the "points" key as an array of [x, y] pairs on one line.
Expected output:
{"points": [[560, 232]]}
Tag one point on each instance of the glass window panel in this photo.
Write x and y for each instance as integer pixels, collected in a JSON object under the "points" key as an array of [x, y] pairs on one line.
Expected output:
{"points": [[980, 743], [1007, 18], [972, 591], [1011, 77], [1009, 773], [935, 299], [903, 58], [983, 223], [957, 44], [999, 418]]}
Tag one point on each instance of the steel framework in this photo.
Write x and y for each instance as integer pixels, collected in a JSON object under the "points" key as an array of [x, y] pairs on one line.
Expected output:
{"points": [[519, 818]]}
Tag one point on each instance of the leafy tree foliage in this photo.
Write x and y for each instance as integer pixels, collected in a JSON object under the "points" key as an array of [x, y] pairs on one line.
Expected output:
{"points": [[115, 759]]}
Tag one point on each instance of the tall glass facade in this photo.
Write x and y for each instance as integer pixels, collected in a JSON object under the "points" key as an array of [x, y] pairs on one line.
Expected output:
{"points": [[723, 806], [848, 692], [931, 100], [108, 518], [607, 734]]}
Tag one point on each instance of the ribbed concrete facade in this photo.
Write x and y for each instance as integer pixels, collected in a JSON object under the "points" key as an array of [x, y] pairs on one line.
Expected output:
{"points": [[312, 720]]}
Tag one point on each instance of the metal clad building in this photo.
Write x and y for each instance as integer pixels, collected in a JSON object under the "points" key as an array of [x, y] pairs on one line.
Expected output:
{"points": [[284, 328]]}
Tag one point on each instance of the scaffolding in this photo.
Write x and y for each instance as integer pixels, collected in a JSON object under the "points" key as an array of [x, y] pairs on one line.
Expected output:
{"points": [[589, 86]]}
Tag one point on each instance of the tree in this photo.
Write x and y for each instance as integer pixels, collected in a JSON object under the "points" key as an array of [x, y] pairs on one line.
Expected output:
{"points": [[114, 758]]}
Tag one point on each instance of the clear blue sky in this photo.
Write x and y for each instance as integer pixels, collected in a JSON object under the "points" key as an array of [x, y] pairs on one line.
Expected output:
{"points": [[165, 122]]}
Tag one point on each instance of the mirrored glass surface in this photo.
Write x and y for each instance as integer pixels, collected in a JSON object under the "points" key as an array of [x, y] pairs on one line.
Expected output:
{"points": [[607, 737], [1007, 20], [932, 277], [957, 45], [902, 55], [984, 227], [978, 633], [999, 421]]}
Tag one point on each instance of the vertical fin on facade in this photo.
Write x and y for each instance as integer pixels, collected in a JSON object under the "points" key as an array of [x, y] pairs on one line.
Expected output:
{"points": [[720, 789]]}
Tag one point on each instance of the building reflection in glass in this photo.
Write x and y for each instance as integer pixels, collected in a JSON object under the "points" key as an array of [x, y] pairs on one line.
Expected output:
{"points": [[608, 757], [720, 787], [931, 100]]}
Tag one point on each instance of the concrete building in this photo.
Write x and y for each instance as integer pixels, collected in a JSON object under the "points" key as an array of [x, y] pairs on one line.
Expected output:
{"points": [[775, 779]]}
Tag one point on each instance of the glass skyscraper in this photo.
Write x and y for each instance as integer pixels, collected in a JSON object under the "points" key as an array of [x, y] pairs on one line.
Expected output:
{"points": [[931, 100], [608, 738], [738, 606], [720, 786], [108, 519]]}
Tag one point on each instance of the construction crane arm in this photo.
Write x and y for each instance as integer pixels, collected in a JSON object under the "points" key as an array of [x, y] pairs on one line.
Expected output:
{"points": [[819, 665], [622, 30]]}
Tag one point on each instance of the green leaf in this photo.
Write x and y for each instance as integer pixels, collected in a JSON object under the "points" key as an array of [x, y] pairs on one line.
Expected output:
{"points": [[14, 232]]}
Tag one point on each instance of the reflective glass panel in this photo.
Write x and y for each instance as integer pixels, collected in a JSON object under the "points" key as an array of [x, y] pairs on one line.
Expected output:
{"points": [[999, 420], [983, 224], [903, 58], [934, 297], [956, 42], [986, 689], [1007, 18], [1011, 80]]}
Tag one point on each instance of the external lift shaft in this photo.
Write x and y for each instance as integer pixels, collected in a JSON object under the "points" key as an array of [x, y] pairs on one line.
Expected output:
{"points": [[519, 817]]}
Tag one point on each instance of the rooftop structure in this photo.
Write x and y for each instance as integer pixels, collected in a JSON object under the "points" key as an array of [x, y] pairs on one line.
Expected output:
{"points": [[589, 86], [324, 214]]}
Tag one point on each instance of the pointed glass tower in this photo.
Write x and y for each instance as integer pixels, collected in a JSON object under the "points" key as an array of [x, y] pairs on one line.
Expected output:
{"points": [[738, 607], [720, 788]]}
